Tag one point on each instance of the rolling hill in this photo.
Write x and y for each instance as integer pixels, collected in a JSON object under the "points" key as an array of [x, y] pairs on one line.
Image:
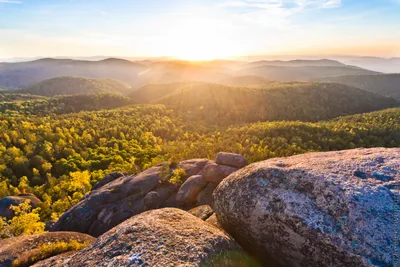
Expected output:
{"points": [[44, 106], [301, 73], [223, 104], [68, 85], [246, 81], [384, 84], [297, 63], [22, 74]]}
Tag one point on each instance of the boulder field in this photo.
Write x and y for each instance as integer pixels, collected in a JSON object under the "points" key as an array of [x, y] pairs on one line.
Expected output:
{"points": [[318, 209], [117, 197], [328, 209]]}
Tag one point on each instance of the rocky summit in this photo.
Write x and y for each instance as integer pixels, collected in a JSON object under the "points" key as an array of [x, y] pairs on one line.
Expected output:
{"points": [[186, 184], [318, 209], [163, 237]]}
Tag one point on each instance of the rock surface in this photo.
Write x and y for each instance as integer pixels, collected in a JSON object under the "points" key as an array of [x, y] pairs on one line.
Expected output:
{"points": [[202, 212], [59, 260], [119, 198], [316, 209], [190, 189], [215, 173], [107, 179], [231, 159], [163, 237], [7, 202], [21, 247]]}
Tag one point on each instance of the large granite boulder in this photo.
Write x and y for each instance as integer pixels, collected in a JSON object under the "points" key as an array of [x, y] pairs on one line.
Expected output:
{"points": [[25, 250], [7, 202], [118, 198], [163, 237], [317, 209]]}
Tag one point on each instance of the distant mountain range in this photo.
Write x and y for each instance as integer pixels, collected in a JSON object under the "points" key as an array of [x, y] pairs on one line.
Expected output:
{"points": [[139, 73]]}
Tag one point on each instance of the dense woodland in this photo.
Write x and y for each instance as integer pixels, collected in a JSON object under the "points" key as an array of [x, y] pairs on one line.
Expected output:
{"points": [[36, 105], [59, 157]]}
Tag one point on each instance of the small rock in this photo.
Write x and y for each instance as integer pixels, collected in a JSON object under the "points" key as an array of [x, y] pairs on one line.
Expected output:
{"points": [[189, 190], [231, 159], [215, 173], [214, 221], [202, 212]]}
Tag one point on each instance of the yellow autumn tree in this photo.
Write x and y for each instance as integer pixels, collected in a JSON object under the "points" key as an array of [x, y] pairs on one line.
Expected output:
{"points": [[25, 222]]}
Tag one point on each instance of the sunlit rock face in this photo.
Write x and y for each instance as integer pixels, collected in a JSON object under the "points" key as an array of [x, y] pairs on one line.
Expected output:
{"points": [[117, 197], [163, 237], [317, 209]]}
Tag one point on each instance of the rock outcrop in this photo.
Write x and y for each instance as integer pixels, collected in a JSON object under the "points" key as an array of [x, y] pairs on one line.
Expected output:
{"points": [[7, 202], [185, 185], [22, 248], [317, 209], [163, 237]]}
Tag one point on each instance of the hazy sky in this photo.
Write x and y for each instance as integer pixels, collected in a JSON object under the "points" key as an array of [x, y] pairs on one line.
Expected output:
{"points": [[198, 29]]}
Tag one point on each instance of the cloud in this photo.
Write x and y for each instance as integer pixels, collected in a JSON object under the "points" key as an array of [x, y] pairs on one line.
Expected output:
{"points": [[10, 2], [274, 13]]}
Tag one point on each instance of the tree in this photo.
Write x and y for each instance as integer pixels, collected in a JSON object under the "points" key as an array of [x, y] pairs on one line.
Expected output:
{"points": [[25, 222]]}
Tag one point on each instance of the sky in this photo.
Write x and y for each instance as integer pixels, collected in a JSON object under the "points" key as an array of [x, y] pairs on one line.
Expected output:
{"points": [[198, 29]]}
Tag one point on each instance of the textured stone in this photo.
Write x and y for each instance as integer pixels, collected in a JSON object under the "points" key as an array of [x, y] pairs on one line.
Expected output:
{"points": [[231, 159], [206, 195], [59, 260], [215, 173], [152, 201], [123, 197], [189, 190], [202, 212], [107, 179], [21, 247], [316, 209], [163, 237], [214, 221]]}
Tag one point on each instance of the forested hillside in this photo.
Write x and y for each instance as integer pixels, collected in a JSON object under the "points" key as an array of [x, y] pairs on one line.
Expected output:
{"points": [[37, 105], [62, 155], [297, 63], [301, 73], [384, 84], [68, 85], [225, 105]]}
